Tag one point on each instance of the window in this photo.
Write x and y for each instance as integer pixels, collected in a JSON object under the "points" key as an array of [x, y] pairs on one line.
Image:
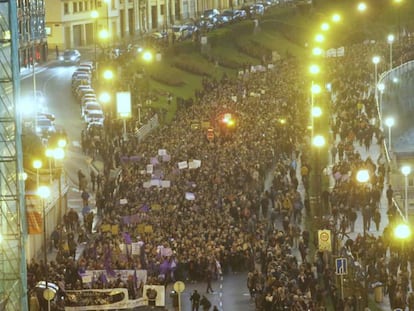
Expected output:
{"points": [[86, 5], [66, 8], [75, 7], [80, 6], [162, 9]]}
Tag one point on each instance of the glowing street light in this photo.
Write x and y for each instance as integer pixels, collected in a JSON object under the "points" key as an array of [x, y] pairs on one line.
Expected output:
{"points": [[325, 27], [389, 122], [362, 7], [108, 74], [37, 164], [105, 97], [147, 56], [336, 18], [376, 60], [316, 112], [314, 69], [317, 51], [381, 88], [402, 231], [319, 38], [390, 40], [406, 170], [62, 143]]}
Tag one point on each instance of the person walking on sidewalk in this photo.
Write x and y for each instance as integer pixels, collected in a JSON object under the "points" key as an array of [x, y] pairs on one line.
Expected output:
{"points": [[93, 179], [195, 300], [389, 193], [209, 278]]}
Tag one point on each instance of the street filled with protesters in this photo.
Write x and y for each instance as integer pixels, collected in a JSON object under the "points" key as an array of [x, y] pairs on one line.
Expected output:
{"points": [[182, 206]]}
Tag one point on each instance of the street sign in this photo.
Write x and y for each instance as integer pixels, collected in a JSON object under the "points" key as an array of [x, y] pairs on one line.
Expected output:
{"points": [[179, 287], [341, 266]]}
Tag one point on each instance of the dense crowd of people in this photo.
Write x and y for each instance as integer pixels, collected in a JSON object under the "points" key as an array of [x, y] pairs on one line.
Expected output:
{"points": [[198, 208]]}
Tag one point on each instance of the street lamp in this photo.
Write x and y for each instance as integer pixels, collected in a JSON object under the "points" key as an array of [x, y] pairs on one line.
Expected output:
{"points": [[108, 74], [49, 155], [59, 155], [319, 38], [317, 51], [315, 89], [398, 3], [390, 123], [37, 164], [381, 88], [95, 15], [363, 177], [325, 26], [390, 40], [318, 141], [62, 143], [402, 232], [376, 60], [44, 192], [336, 18], [362, 7], [406, 170]]}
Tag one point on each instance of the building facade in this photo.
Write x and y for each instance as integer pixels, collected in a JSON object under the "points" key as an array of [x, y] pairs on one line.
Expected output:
{"points": [[32, 35], [69, 23]]}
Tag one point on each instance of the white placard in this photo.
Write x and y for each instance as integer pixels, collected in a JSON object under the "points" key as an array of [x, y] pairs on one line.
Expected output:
{"points": [[150, 168], [165, 183], [155, 182], [146, 184], [189, 196], [182, 165], [123, 201], [162, 152]]}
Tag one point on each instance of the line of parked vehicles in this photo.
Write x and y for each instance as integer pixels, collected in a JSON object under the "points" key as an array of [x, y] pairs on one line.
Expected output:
{"points": [[91, 110]]}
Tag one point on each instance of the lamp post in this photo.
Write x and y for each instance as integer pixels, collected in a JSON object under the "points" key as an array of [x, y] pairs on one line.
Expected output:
{"points": [[381, 88], [107, 13], [49, 155], [390, 40], [315, 89], [95, 15], [44, 192], [402, 232], [59, 155], [390, 123], [406, 170], [37, 164], [362, 7], [398, 3], [318, 142], [363, 177], [376, 60]]}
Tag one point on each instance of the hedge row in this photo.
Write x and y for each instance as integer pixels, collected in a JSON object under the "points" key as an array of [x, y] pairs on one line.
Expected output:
{"points": [[189, 65]]}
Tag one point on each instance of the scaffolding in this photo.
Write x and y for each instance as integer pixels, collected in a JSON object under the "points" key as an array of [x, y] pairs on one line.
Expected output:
{"points": [[13, 227]]}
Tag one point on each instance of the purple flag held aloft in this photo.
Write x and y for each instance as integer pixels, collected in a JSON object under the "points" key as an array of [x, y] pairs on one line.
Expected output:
{"points": [[127, 238], [135, 158], [154, 161], [164, 267], [126, 220], [144, 208]]}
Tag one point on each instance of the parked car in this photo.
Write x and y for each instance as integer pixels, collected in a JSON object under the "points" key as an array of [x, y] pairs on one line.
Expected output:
{"points": [[44, 127], [211, 13], [70, 57], [95, 116], [181, 32], [90, 106], [228, 16], [240, 14], [87, 98], [207, 23]]}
